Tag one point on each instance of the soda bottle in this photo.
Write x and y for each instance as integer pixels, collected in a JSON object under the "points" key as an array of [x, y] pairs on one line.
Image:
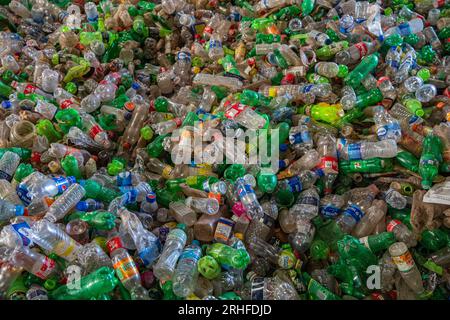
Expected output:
{"points": [[430, 159], [402, 233], [125, 269], [66, 202], [228, 256]]}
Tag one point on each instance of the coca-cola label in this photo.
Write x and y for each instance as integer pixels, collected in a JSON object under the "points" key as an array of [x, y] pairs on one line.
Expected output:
{"points": [[94, 131], [362, 48], [29, 88], [234, 110], [391, 225], [113, 244], [66, 104]]}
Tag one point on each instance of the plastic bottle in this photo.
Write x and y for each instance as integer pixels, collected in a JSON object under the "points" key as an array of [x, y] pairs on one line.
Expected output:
{"points": [[186, 273]]}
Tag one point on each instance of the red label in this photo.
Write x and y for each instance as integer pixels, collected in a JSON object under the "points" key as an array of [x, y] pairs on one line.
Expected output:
{"points": [[327, 163], [208, 30], [391, 225], [178, 121], [362, 48], [95, 130], [233, 111], [29, 89], [66, 104], [113, 244], [46, 268]]}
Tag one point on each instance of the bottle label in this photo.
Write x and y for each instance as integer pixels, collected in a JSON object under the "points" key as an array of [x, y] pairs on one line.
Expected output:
{"points": [[386, 131], [295, 184], [362, 48], [66, 249], [66, 104], [17, 227], [354, 211], [22, 192], [95, 129], [149, 254], [354, 151], [391, 225], [125, 268], [329, 211], [5, 176], [309, 200], [404, 262], [404, 29], [223, 230], [46, 268], [62, 183], [327, 165], [113, 244], [215, 44], [176, 235], [184, 56], [29, 88], [234, 110], [190, 254]]}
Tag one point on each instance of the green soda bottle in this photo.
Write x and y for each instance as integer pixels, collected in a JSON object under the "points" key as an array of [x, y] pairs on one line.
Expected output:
{"points": [[253, 98], [408, 160], [327, 52], [328, 231], [70, 166], [45, 127], [165, 196], [229, 256], [100, 220], [317, 291], [430, 160], [329, 113], [67, 119], [366, 66], [319, 250], [266, 181], [434, 240], [378, 242], [234, 171], [99, 282], [372, 165], [155, 148], [370, 98], [96, 191], [23, 171], [5, 90], [208, 267]]}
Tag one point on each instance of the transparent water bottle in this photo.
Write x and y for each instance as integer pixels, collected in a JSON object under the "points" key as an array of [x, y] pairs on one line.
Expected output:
{"points": [[175, 242], [8, 165], [366, 150], [407, 267], [186, 274], [387, 127], [66, 202]]}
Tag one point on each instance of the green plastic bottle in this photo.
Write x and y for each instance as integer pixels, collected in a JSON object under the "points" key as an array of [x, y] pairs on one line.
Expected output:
{"points": [[366, 66], [408, 160], [317, 291], [95, 190], [208, 267], [328, 231], [229, 256], [5, 90], [430, 160], [155, 148], [70, 166], [378, 242], [23, 153], [434, 240], [95, 284], [23, 171], [319, 250], [67, 119], [328, 113], [100, 220], [370, 98], [45, 127]]}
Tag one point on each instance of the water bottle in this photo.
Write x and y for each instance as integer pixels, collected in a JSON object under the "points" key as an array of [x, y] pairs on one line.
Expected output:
{"points": [[175, 242], [248, 198], [186, 274], [365, 150], [387, 127], [66, 202], [9, 210], [8, 165]]}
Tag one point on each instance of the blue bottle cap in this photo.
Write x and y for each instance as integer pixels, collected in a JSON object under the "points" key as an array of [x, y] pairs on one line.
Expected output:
{"points": [[82, 206]]}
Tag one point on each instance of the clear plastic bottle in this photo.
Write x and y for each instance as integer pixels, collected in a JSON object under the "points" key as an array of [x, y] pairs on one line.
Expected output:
{"points": [[186, 273], [9, 210], [175, 242], [203, 205], [8, 165], [248, 198], [395, 199], [147, 244], [307, 205], [407, 267], [34, 262], [304, 180], [66, 202], [370, 220], [52, 238], [132, 133], [215, 47], [406, 28], [359, 202], [426, 93], [331, 204], [366, 150], [387, 127], [328, 167]]}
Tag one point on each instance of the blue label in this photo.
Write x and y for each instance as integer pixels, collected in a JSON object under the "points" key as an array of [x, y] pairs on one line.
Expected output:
{"points": [[5, 176], [17, 227], [22, 192], [215, 44], [308, 88], [149, 254], [404, 29], [329, 211], [184, 56], [295, 184], [309, 200], [354, 151], [354, 211], [389, 130], [62, 183], [190, 254]]}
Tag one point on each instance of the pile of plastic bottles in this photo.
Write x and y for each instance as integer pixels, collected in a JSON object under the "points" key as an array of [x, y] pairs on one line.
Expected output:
{"points": [[97, 99]]}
